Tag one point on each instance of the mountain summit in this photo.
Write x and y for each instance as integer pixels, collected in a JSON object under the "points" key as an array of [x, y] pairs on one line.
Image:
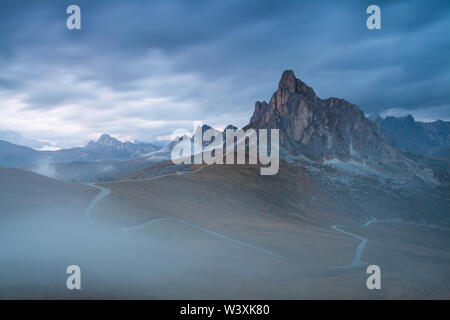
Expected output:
{"points": [[324, 129], [132, 149], [107, 140]]}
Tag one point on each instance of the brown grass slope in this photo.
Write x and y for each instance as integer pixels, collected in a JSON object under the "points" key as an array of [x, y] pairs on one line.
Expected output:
{"points": [[22, 192], [291, 215]]}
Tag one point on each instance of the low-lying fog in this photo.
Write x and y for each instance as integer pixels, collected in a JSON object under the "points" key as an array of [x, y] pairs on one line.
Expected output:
{"points": [[36, 252], [167, 261]]}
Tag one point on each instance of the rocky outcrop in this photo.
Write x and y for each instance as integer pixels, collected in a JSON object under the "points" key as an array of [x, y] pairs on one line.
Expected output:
{"points": [[324, 129], [418, 138]]}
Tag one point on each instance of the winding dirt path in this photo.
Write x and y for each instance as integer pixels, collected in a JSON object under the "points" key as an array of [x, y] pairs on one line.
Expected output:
{"points": [[104, 192], [356, 262]]}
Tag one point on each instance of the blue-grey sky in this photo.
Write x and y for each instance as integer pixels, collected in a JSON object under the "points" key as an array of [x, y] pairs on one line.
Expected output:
{"points": [[140, 69]]}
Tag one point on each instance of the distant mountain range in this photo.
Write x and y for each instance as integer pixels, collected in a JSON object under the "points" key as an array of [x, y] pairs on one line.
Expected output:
{"points": [[105, 148], [325, 130], [120, 150], [418, 138], [18, 139]]}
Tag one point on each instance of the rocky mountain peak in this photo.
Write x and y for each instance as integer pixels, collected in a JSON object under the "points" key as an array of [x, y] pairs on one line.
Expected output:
{"points": [[323, 129], [288, 80], [107, 140], [409, 118], [290, 84], [134, 149], [290, 88]]}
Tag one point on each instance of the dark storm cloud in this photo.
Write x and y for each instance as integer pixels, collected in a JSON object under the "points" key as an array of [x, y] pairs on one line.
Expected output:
{"points": [[143, 68]]}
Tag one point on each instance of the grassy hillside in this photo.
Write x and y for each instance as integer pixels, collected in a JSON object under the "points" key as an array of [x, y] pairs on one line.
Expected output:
{"points": [[23, 192]]}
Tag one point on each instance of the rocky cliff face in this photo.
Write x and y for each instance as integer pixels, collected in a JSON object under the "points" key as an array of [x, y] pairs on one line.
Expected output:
{"points": [[419, 138], [324, 129]]}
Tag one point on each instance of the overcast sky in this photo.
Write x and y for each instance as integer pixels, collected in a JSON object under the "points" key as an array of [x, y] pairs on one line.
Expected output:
{"points": [[140, 69]]}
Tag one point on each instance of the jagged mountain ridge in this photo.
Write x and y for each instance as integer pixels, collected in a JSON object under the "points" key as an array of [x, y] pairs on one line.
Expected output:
{"points": [[133, 149], [326, 129], [418, 138], [106, 148]]}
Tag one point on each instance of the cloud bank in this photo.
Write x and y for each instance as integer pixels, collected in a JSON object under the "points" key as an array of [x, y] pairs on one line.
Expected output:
{"points": [[140, 69]]}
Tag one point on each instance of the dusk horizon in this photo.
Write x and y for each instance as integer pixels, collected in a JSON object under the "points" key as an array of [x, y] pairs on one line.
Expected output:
{"points": [[139, 70]]}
